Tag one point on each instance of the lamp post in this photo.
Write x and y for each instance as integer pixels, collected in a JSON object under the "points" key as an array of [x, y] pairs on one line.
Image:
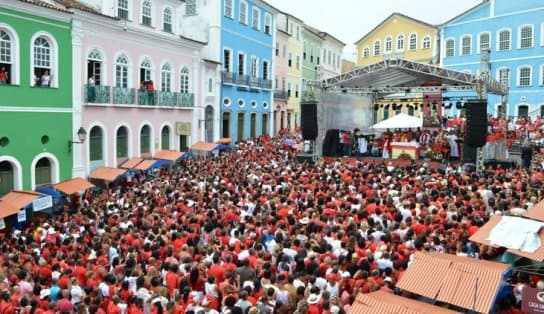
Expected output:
{"points": [[81, 135]]}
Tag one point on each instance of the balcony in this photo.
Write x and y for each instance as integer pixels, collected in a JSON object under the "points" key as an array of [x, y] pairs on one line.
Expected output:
{"points": [[280, 94], [242, 80], [228, 77], [267, 84], [97, 94], [129, 96], [185, 100], [124, 96], [167, 99], [147, 98], [255, 83]]}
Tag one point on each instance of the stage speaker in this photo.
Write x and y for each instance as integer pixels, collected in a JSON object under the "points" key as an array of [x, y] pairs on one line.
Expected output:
{"points": [[469, 152], [330, 143], [308, 119], [476, 115]]}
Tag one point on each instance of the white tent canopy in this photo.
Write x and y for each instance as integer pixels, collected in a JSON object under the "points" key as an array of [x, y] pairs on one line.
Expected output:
{"points": [[399, 121]]}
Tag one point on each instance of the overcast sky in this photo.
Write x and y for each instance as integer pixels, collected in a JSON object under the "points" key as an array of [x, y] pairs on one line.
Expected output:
{"points": [[349, 20]]}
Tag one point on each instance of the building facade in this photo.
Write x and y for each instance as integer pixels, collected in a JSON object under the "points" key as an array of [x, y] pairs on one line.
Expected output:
{"points": [[140, 81], [281, 71], [247, 45], [331, 55], [311, 57], [513, 33], [294, 71], [36, 104], [399, 36]]}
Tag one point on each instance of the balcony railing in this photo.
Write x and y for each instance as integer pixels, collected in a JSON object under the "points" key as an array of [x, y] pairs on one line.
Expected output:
{"points": [[242, 80], [228, 77], [254, 82], [129, 96], [267, 84], [280, 94]]}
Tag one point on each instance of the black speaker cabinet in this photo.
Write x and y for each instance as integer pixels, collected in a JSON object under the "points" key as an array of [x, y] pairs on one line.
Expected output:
{"points": [[476, 115], [308, 119]]}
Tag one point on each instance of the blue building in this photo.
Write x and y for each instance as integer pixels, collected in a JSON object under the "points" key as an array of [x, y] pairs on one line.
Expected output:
{"points": [[247, 44], [513, 31]]}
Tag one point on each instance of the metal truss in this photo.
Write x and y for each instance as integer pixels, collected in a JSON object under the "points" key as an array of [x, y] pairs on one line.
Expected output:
{"points": [[394, 90]]}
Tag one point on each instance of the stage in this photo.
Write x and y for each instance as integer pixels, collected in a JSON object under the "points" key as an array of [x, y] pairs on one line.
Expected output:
{"points": [[382, 161]]}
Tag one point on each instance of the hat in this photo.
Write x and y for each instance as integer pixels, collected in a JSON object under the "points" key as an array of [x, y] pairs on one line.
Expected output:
{"points": [[44, 293], [313, 298], [304, 220], [335, 309], [388, 279]]}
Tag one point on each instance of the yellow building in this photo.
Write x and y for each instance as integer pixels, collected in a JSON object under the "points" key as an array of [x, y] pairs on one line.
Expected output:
{"points": [[294, 70], [399, 37]]}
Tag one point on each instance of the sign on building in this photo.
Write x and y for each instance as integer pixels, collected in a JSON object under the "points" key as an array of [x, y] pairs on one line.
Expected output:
{"points": [[42, 203], [532, 300], [183, 128]]}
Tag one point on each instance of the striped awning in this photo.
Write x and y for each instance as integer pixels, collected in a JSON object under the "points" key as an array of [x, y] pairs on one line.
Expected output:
{"points": [[384, 302], [461, 281]]}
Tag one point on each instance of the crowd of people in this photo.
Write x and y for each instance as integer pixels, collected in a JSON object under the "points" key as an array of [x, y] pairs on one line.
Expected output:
{"points": [[253, 231]]}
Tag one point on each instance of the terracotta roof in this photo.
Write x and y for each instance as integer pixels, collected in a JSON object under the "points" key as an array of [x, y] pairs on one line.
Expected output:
{"points": [[107, 173], [146, 164], [47, 5], [389, 17], [131, 163], [461, 281], [224, 140], [384, 302], [204, 146], [482, 235], [170, 155], [12, 202], [73, 186], [536, 213]]}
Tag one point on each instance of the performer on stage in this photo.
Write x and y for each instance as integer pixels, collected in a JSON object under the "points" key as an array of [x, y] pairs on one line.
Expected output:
{"points": [[386, 153]]}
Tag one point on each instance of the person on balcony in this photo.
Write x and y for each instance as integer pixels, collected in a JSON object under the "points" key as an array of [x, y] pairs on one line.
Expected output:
{"points": [[91, 90], [4, 76], [45, 79], [150, 93]]}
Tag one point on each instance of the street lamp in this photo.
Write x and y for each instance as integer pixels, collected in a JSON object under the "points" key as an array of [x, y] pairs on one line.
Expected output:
{"points": [[81, 135]]}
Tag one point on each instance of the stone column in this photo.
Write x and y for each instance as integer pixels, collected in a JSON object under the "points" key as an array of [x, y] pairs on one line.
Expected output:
{"points": [[78, 168]]}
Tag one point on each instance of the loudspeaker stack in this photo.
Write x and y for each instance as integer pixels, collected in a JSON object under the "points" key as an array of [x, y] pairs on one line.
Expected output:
{"points": [[476, 115], [308, 119]]}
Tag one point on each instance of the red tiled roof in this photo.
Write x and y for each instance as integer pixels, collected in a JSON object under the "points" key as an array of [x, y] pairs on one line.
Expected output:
{"points": [[74, 185], [131, 163], [384, 302], [170, 155], [12, 202], [204, 146], [107, 174]]}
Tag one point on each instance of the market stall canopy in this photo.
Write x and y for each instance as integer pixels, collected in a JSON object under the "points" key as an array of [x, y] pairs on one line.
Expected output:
{"points": [[205, 146], [107, 174], [224, 141], [131, 163], [385, 302], [73, 186], [536, 212], [399, 121], [151, 163], [12, 202], [455, 280], [170, 155]]}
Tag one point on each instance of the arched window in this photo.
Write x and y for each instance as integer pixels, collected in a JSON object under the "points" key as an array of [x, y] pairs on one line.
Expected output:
{"points": [[167, 20], [121, 71], [208, 125], [122, 142], [146, 13], [145, 70], [43, 172], [504, 40], [184, 81], [43, 61], [400, 42], [166, 78], [526, 36], [165, 137], [96, 138], [426, 42], [413, 42], [94, 66], [377, 48], [145, 140], [6, 57], [7, 177], [388, 44], [484, 41]]}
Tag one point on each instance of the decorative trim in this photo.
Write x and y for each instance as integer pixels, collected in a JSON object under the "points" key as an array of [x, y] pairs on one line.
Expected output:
{"points": [[18, 171]]}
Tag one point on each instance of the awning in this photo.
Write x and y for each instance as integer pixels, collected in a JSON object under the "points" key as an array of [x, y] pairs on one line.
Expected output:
{"points": [[399, 121], [384, 302], [204, 146], [454, 280], [225, 140], [536, 212], [12, 202], [107, 173], [131, 163], [73, 186], [170, 155], [146, 164]]}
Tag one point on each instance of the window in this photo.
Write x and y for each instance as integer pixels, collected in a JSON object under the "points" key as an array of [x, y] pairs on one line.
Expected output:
{"points": [[146, 13], [484, 41], [413, 42], [377, 46], [504, 76], [426, 42], [167, 20], [254, 66], [296, 91], [94, 66], [304, 50], [288, 89], [229, 12], [6, 54], [165, 138], [241, 64], [504, 40], [277, 49], [190, 7], [121, 71], [388, 44], [184, 81], [122, 9], [255, 19], [243, 12], [466, 46], [524, 76], [227, 60], [329, 57], [166, 78], [366, 52], [450, 48], [265, 70], [42, 61], [523, 111], [145, 140], [298, 33], [210, 85], [400, 42], [145, 70], [526, 36], [95, 144], [298, 62], [122, 142], [267, 24], [290, 60], [43, 172]]}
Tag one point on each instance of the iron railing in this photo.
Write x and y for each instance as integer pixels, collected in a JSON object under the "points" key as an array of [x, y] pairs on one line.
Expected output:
{"points": [[98, 94]]}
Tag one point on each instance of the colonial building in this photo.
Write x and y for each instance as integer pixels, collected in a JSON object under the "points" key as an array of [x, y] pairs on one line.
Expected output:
{"points": [[311, 56], [36, 126], [513, 33], [281, 70], [399, 36], [294, 70], [331, 54]]}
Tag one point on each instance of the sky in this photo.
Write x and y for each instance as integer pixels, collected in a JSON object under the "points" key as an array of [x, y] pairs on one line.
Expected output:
{"points": [[349, 20]]}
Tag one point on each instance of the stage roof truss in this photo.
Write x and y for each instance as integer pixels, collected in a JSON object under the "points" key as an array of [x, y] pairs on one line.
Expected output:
{"points": [[396, 75]]}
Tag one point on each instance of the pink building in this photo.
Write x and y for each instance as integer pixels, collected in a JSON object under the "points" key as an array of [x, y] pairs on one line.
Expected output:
{"points": [[142, 87], [280, 70]]}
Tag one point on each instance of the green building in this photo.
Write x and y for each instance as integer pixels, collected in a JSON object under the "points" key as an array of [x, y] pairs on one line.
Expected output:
{"points": [[312, 45], [35, 95]]}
